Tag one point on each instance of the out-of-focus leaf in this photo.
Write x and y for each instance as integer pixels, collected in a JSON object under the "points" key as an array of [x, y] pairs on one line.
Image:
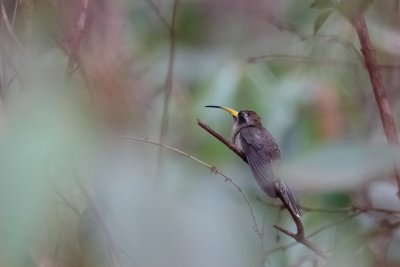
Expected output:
{"points": [[321, 4], [321, 20], [383, 194], [340, 166], [351, 9]]}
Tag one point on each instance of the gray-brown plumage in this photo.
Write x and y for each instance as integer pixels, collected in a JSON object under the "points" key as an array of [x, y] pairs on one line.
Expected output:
{"points": [[261, 150]]}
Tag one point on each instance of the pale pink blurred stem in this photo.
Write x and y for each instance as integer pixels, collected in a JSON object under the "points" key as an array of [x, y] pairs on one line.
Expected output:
{"points": [[76, 38]]}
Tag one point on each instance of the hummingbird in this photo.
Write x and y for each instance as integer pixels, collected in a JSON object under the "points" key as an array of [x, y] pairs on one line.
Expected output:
{"points": [[261, 150]]}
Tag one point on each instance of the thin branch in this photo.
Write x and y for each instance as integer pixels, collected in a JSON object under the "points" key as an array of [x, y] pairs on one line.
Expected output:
{"points": [[291, 28], [389, 227], [14, 12], [290, 245], [79, 66], [303, 60], [77, 38], [349, 209], [7, 24], [222, 140], [345, 219], [7, 61], [304, 259], [335, 39], [8, 85], [369, 235], [212, 169], [68, 204], [168, 79], [307, 60], [285, 26], [299, 236], [156, 10], [378, 86], [108, 234]]}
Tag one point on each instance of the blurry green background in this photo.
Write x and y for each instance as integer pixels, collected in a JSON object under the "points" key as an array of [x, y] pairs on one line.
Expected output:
{"points": [[74, 192]]}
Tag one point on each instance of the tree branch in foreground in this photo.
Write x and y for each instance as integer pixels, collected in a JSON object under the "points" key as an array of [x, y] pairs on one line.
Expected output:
{"points": [[299, 236]]}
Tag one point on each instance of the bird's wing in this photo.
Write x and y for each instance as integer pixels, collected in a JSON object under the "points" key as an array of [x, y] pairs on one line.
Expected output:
{"points": [[260, 162], [260, 150]]}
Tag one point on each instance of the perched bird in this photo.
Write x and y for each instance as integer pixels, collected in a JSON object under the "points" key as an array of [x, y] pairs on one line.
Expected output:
{"points": [[260, 149]]}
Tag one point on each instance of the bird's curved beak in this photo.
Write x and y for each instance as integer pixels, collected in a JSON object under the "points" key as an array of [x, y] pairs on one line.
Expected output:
{"points": [[233, 112]]}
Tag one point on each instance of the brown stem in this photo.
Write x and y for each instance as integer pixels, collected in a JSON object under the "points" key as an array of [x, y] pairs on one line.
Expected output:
{"points": [[168, 79], [299, 236], [222, 139], [378, 86]]}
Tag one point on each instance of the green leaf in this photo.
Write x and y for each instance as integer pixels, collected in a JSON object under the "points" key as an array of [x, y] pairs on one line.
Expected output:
{"points": [[322, 4], [321, 20]]}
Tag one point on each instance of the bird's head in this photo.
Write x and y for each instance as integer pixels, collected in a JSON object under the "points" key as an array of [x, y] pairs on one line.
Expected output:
{"points": [[243, 117]]}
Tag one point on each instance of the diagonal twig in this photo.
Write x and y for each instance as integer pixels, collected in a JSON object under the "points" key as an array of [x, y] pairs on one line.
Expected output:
{"points": [[291, 28], [213, 170], [14, 13], [156, 10], [7, 24], [290, 245], [222, 140], [318, 61]]}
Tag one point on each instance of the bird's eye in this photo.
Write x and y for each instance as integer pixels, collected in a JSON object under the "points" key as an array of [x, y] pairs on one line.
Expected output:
{"points": [[242, 116]]}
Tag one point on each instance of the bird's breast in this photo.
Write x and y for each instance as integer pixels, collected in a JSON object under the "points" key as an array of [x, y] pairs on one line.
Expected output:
{"points": [[238, 142], [236, 139]]}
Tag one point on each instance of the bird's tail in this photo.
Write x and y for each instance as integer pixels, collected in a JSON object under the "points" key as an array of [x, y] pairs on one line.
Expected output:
{"points": [[284, 194]]}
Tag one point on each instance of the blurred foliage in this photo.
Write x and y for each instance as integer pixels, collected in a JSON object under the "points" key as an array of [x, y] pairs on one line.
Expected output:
{"points": [[74, 192]]}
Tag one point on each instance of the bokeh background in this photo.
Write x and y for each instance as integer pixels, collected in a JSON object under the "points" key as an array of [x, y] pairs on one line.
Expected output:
{"points": [[77, 77]]}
